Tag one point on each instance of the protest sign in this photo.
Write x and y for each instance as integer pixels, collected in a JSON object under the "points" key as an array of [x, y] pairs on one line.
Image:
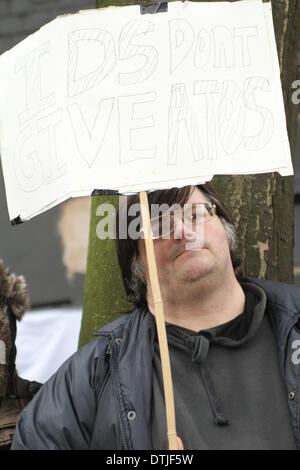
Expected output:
{"points": [[110, 99]]}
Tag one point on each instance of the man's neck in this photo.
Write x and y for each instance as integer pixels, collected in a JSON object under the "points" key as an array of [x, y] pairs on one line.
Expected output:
{"points": [[211, 306]]}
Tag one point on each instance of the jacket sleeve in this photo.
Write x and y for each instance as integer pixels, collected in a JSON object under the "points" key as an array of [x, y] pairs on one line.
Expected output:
{"points": [[62, 414]]}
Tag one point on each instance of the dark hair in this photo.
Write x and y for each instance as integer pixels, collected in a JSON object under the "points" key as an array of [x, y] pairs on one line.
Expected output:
{"points": [[127, 249]]}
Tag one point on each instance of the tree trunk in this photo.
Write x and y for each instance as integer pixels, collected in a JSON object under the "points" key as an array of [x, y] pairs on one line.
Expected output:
{"points": [[104, 294], [262, 205]]}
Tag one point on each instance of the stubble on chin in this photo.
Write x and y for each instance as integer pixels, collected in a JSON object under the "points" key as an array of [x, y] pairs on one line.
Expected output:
{"points": [[180, 280]]}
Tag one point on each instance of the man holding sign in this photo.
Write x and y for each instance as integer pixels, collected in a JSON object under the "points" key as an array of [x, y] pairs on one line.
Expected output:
{"points": [[171, 100], [233, 342]]}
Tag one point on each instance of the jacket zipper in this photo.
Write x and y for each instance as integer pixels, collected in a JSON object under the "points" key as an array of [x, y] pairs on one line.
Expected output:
{"points": [[116, 395]]}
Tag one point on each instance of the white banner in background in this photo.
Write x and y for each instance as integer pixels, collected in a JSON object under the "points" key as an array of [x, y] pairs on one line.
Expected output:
{"points": [[112, 99], [45, 339]]}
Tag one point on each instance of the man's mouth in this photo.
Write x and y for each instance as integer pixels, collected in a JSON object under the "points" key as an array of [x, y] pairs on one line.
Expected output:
{"points": [[188, 251]]}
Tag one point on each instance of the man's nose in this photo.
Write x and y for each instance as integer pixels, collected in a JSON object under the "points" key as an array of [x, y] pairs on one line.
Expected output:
{"points": [[183, 231]]}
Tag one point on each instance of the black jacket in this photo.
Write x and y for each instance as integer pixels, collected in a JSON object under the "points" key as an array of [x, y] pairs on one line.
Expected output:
{"points": [[100, 398]]}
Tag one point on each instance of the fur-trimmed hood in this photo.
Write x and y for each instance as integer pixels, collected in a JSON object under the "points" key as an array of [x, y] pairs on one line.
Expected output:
{"points": [[13, 291], [14, 302], [15, 392]]}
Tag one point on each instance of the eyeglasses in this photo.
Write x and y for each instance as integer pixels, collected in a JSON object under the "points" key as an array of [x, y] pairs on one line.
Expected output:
{"points": [[191, 215]]}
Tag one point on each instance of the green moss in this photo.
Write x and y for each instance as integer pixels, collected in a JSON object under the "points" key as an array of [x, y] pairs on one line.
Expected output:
{"points": [[104, 294]]}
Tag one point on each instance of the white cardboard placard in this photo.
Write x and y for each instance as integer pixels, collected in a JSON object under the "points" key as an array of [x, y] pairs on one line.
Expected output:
{"points": [[114, 100]]}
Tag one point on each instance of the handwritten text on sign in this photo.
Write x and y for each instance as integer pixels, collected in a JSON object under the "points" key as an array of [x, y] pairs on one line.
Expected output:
{"points": [[113, 99]]}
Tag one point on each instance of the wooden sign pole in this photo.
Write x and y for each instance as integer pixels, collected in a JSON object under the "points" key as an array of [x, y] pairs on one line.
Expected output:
{"points": [[160, 324]]}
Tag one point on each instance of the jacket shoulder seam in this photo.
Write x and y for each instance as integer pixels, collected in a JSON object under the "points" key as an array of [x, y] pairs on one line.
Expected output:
{"points": [[292, 313]]}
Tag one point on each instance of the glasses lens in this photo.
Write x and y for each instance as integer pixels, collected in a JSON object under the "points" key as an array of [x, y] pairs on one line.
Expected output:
{"points": [[191, 215], [199, 213]]}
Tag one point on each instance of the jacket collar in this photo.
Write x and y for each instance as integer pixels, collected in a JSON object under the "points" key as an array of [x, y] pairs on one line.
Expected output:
{"points": [[283, 307]]}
